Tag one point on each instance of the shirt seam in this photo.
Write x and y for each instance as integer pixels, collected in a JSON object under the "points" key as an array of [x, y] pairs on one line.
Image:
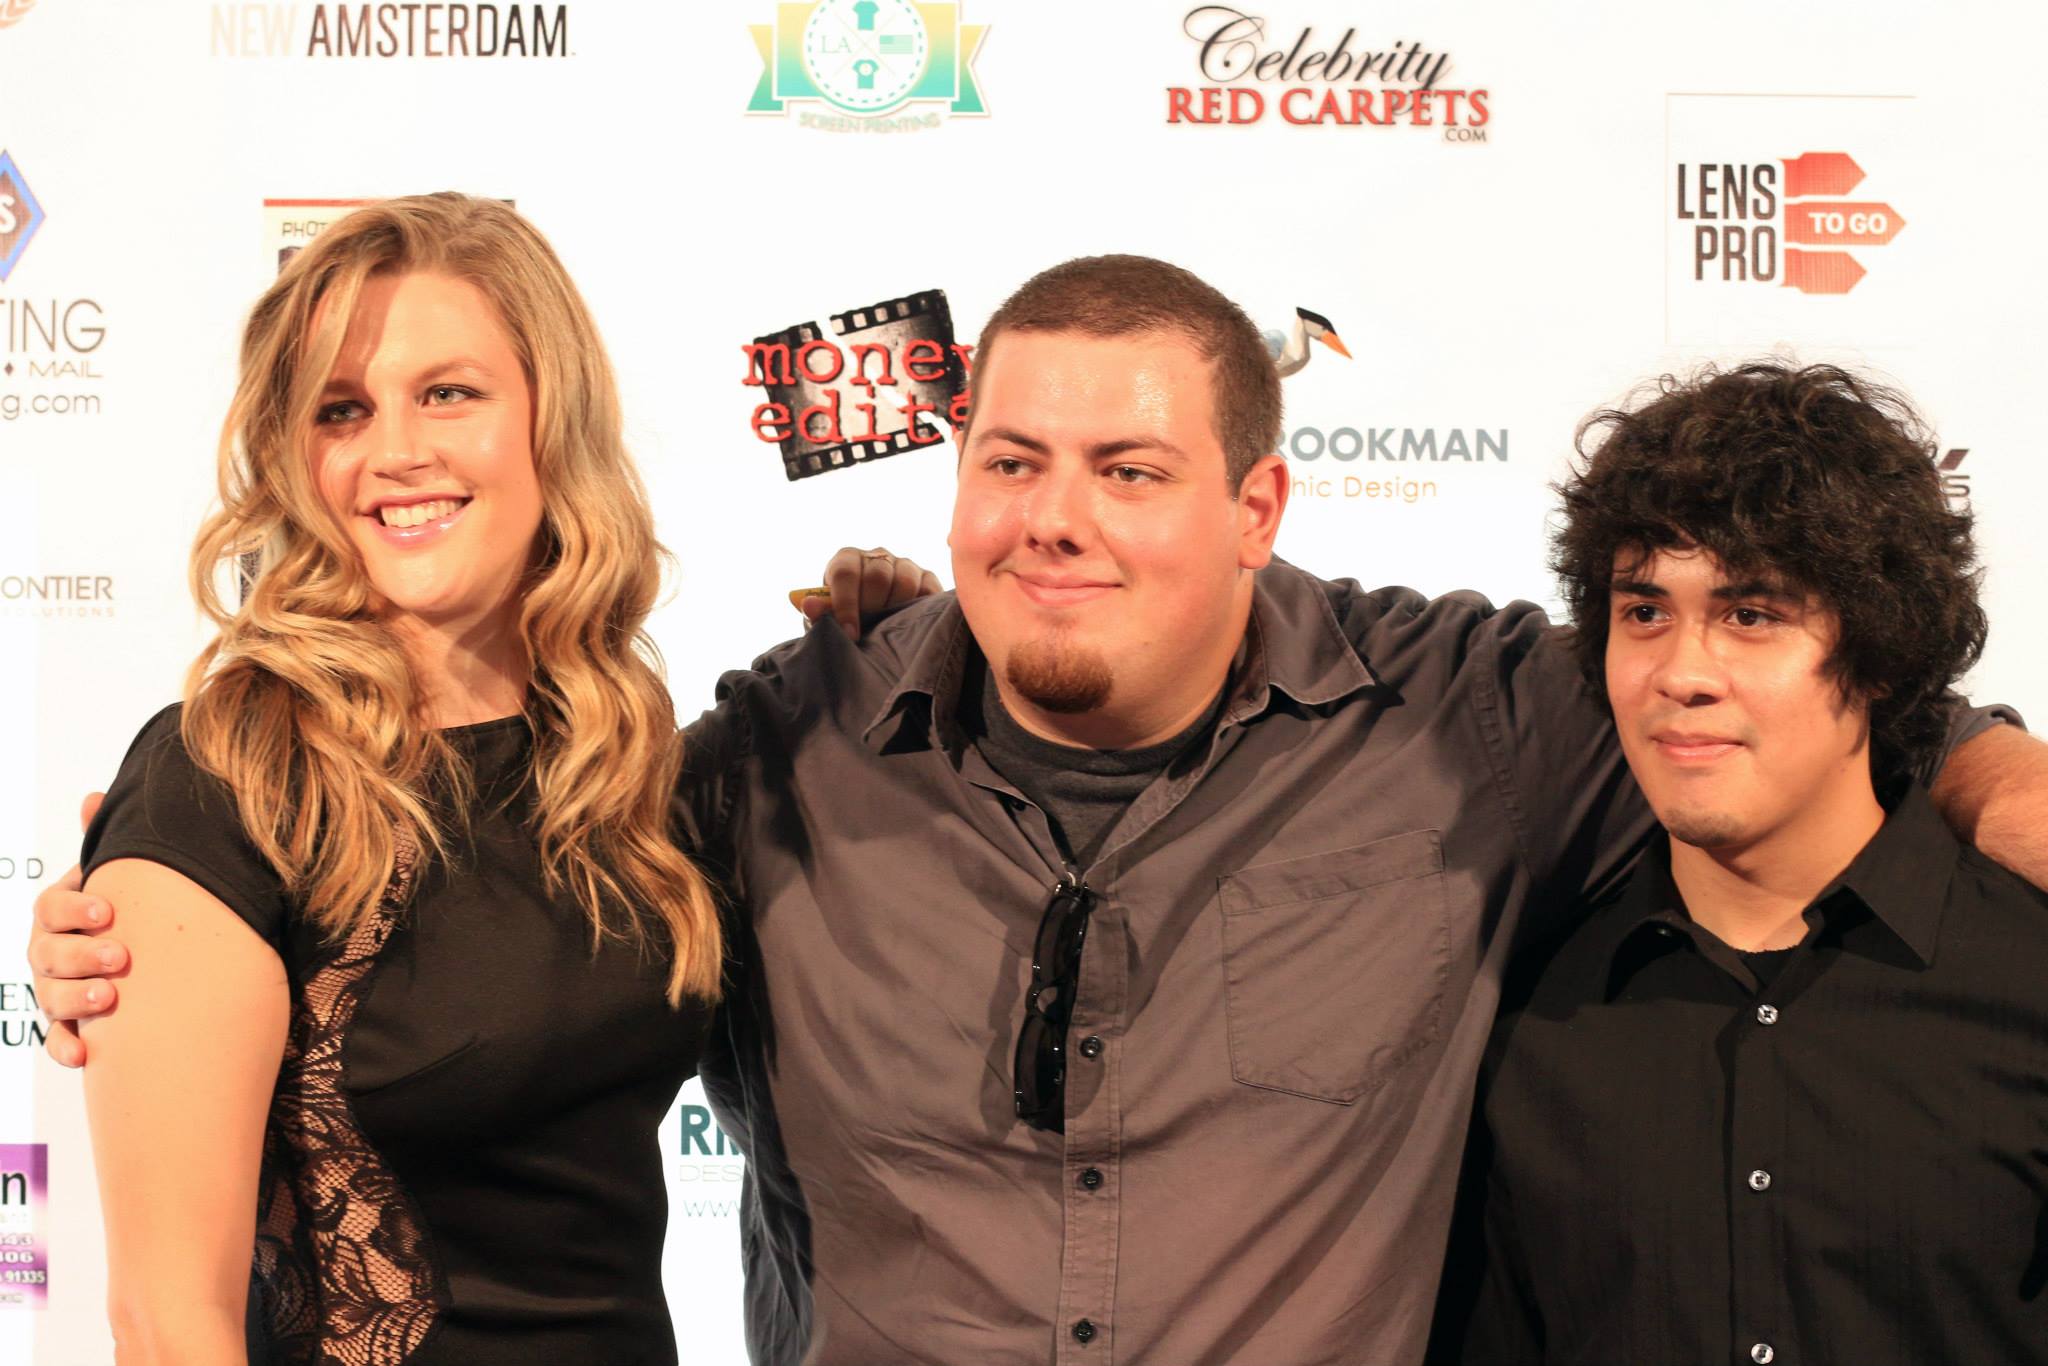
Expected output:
{"points": [[246, 905], [1486, 704]]}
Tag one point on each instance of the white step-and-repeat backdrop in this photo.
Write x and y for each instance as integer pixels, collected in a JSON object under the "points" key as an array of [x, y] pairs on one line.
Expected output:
{"points": [[1510, 211]]}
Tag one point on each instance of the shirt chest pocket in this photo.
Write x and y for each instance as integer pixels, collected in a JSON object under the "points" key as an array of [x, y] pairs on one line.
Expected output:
{"points": [[1335, 965]]}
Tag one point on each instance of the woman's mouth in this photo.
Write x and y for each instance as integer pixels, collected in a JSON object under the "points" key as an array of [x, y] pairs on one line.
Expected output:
{"points": [[413, 523]]}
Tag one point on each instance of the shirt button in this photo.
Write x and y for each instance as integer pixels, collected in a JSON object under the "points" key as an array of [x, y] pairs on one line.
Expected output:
{"points": [[1760, 1180], [1091, 1047], [1091, 1178], [1767, 1015], [1084, 1331], [1762, 1354]]}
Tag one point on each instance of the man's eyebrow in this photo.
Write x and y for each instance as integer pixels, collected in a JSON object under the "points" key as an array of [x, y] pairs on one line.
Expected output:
{"points": [[1638, 588], [1102, 450], [1109, 450], [1014, 437], [1754, 588]]}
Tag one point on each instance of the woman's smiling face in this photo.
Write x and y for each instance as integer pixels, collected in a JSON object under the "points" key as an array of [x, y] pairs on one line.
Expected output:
{"points": [[422, 446]]}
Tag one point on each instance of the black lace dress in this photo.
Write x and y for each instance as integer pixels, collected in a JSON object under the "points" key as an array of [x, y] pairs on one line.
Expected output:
{"points": [[461, 1163]]}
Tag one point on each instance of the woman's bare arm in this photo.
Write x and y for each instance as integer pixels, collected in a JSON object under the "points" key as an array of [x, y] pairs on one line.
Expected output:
{"points": [[183, 1068]]}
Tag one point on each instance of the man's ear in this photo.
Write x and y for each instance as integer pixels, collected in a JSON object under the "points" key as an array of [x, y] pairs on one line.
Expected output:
{"points": [[1261, 500]]}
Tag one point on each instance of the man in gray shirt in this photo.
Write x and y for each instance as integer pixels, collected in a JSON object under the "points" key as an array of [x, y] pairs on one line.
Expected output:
{"points": [[1165, 1053]]}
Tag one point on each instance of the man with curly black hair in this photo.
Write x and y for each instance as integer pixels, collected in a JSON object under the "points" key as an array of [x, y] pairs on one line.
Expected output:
{"points": [[1781, 1101]]}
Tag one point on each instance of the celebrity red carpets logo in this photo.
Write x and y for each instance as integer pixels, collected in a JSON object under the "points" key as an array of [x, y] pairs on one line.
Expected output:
{"points": [[1249, 69], [1737, 221]]}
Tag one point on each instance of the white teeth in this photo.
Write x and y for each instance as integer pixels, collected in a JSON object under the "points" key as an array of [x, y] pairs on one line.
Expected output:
{"points": [[414, 514]]}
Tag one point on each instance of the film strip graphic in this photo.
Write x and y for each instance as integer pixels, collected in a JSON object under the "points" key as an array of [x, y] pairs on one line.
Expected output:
{"points": [[844, 412]]}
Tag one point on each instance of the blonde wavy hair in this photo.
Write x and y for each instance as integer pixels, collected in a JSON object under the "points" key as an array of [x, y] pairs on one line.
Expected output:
{"points": [[305, 704]]}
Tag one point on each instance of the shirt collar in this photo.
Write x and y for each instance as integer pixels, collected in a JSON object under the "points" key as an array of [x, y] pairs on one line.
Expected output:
{"points": [[1903, 874], [1292, 644], [1901, 877]]}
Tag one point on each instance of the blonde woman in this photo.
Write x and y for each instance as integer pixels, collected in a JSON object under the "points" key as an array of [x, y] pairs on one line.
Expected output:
{"points": [[416, 966]]}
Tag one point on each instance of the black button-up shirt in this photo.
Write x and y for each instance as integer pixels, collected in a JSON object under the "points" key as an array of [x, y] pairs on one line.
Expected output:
{"points": [[1680, 1163]]}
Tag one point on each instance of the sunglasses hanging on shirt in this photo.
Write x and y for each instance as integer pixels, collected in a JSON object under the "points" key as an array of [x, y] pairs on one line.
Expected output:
{"points": [[1041, 1065]]}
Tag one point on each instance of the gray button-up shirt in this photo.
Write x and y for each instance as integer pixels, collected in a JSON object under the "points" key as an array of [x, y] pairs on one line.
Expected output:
{"points": [[1291, 972]]}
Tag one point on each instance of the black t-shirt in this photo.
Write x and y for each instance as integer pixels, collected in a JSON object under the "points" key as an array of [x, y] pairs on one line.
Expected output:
{"points": [[461, 1157], [1082, 791]]}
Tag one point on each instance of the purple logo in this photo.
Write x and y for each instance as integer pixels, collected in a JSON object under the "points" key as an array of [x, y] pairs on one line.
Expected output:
{"points": [[24, 1226]]}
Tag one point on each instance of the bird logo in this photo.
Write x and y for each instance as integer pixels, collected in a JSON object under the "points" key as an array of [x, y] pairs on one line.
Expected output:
{"points": [[1291, 353]]}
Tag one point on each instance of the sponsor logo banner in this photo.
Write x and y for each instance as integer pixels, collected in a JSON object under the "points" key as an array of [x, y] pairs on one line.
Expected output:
{"points": [[24, 1226], [50, 359], [708, 1177], [50, 597], [1252, 69], [21, 1022], [865, 60], [1785, 217], [1955, 481], [20, 214], [289, 224], [410, 29], [1396, 466], [877, 386]]}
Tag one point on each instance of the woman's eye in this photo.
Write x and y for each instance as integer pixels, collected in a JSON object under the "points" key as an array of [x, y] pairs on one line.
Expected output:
{"points": [[448, 393], [345, 411]]}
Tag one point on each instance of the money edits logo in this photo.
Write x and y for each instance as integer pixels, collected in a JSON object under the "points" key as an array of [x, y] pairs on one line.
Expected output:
{"points": [[13, 12], [1776, 222], [875, 388], [868, 59]]}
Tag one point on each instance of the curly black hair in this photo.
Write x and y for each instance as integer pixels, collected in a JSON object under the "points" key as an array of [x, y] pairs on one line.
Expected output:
{"points": [[1811, 476]]}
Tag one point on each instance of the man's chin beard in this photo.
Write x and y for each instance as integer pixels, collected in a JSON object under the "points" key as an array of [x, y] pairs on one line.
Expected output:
{"points": [[1705, 829], [1058, 677]]}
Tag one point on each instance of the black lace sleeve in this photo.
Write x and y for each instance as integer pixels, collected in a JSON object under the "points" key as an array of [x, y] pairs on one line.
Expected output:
{"points": [[342, 1272]]}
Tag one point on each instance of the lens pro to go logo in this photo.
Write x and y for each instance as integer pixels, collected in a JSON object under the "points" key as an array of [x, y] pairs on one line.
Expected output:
{"points": [[867, 57], [1740, 213], [1783, 223], [20, 215]]}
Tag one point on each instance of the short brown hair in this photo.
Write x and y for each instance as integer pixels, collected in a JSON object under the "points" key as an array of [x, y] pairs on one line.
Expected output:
{"points": [[1119, 296], [1816, 476]]}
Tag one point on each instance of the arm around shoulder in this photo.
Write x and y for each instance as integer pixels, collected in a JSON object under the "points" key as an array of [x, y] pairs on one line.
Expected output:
{"points": [[177, 1095], [1993, 791]]}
